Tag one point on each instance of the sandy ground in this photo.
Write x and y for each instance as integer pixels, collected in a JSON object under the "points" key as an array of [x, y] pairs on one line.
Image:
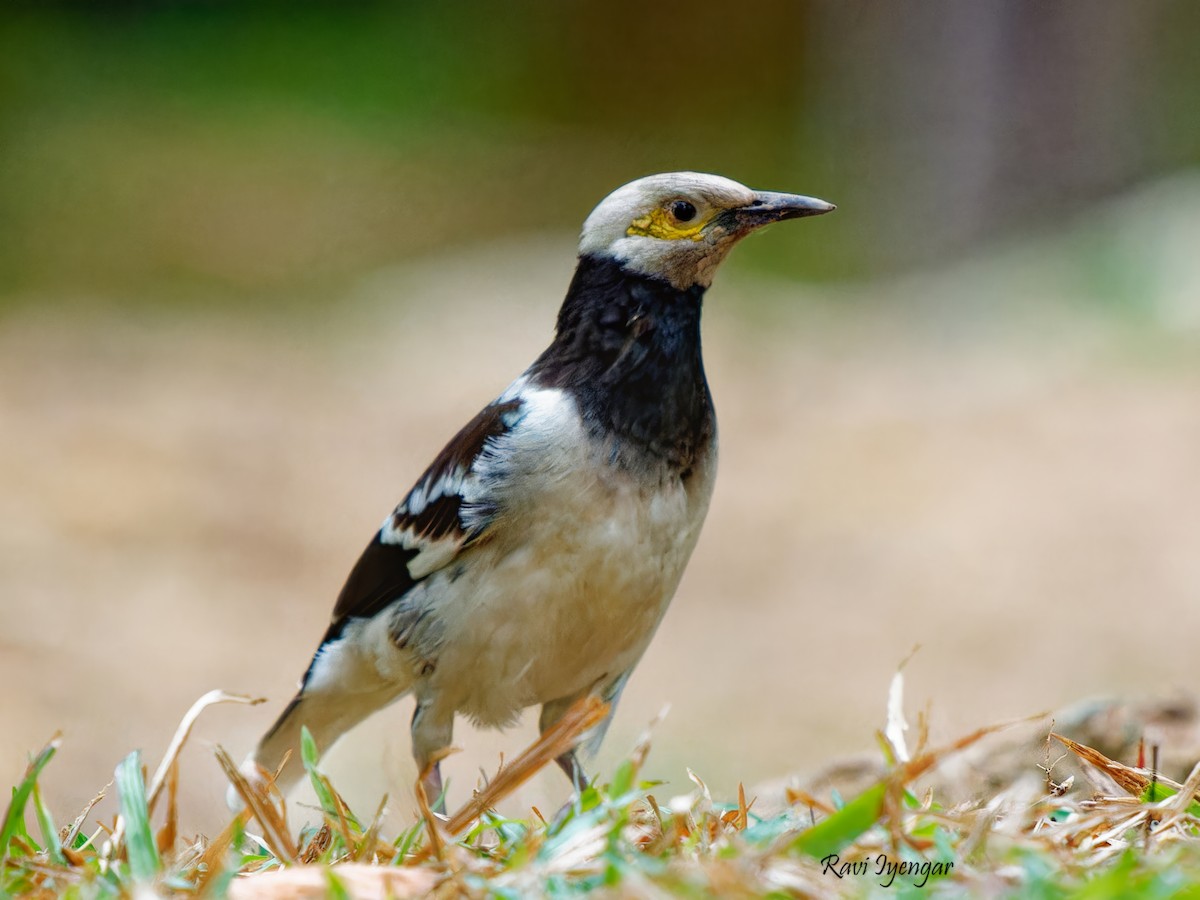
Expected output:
{"points": [[970, 462]]}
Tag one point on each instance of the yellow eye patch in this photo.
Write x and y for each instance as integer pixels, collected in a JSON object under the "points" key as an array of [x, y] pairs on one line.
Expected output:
{"points": [[659, 223]]}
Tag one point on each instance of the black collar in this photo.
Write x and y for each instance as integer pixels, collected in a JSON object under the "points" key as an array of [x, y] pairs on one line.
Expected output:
{"points": [[627, 348]]}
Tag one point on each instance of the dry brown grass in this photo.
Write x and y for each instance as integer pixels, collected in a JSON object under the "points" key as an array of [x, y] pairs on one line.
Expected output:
{"points": [[1126, 831]]}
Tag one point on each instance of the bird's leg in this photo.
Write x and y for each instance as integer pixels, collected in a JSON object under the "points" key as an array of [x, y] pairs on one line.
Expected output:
{"points": [[431, 784], [553, 711], [569, 762], [570, 765], [432, 731]]}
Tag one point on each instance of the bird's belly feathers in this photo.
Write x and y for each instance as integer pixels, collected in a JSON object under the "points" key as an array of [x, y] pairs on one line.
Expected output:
{"points": [[574, 608], [569, 593]]}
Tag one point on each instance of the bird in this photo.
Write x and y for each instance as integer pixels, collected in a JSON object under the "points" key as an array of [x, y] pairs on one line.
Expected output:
{"points": [[533, 561]]}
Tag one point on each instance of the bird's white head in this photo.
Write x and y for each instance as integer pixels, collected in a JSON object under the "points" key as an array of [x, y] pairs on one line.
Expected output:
{"points": [[679, 226]]}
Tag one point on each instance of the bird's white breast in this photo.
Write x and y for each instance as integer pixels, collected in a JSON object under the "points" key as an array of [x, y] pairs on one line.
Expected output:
{"points": [[569, 588]]}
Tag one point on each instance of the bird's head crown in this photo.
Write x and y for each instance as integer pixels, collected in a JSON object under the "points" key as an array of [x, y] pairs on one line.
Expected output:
{"points": [[679, 226]]}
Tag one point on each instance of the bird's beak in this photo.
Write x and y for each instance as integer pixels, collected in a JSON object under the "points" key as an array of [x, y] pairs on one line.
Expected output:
{"points": [[769, 206]]}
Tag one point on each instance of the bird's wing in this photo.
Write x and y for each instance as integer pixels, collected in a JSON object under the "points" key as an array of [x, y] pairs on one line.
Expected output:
{"points": [[448, 510]]}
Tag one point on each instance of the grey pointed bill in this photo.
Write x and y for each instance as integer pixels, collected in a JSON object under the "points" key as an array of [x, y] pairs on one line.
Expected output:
{"points": [[771, 206]]}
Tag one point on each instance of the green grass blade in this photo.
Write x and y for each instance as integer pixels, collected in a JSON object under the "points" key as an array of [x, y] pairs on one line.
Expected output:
{"points": [[1156, 791], [14, 818], [46, 824], [139, 837], [409, 841], [833, 834], [623, 779], [334, 889], [310, 756]]}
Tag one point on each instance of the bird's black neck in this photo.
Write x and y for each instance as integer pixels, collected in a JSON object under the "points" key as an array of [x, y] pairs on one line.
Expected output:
{"points": [[627, 348]]}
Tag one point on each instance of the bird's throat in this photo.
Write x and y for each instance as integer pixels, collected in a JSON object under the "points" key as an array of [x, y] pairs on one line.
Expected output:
{"points": [[628, 348]]}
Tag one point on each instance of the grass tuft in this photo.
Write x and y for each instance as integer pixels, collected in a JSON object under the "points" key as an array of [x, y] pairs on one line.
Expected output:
{"points": [[1135, 833], [144, 862], [14, 818]]}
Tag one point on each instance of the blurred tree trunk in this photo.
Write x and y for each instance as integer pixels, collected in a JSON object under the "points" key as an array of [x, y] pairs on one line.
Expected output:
{"points": [[974, 116]]}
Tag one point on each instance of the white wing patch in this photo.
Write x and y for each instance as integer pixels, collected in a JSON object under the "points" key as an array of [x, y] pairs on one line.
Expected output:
{"points": [[403, 526], [455, 501]]}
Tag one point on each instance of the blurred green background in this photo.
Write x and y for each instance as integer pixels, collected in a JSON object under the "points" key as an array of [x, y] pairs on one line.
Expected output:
{"points": [[258, 261], [156, 150]]}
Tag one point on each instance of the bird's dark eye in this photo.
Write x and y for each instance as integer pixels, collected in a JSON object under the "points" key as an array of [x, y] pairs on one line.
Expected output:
{"points": [[683, 211]]}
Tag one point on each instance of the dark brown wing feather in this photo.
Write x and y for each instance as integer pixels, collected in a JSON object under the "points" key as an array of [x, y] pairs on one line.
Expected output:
{"points": [[382, 573], [379, 577]]}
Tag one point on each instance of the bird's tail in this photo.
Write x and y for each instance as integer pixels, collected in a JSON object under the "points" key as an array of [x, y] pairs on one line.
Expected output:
{"points": [[327, 715], [343, 686]]}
